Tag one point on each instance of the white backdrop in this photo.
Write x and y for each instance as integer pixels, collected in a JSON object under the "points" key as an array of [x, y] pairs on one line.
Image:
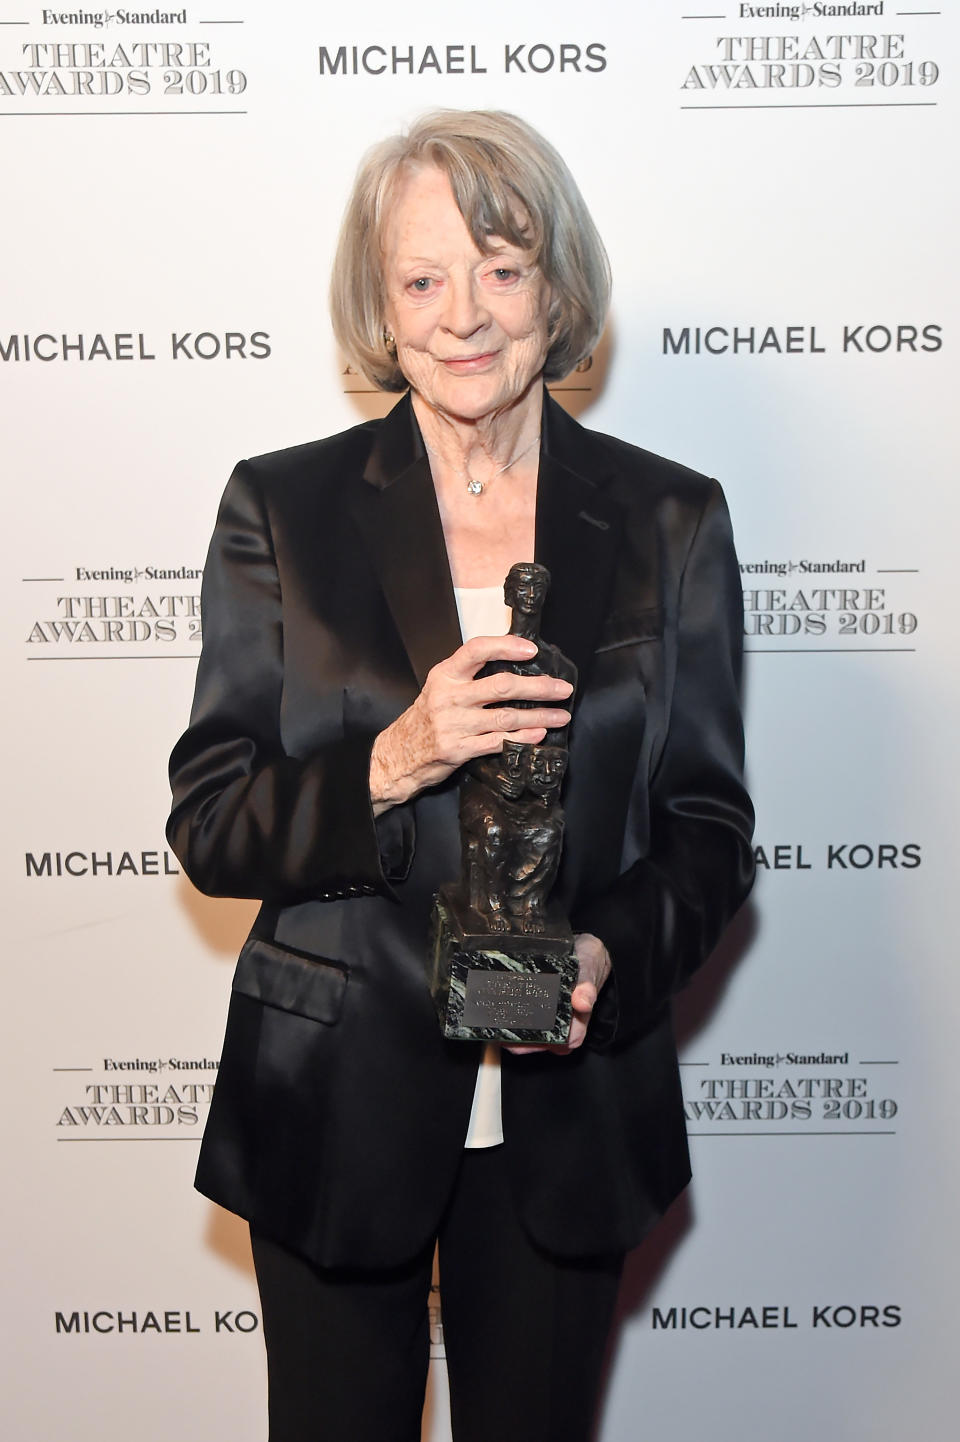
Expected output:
{"points": [[776, 188]]}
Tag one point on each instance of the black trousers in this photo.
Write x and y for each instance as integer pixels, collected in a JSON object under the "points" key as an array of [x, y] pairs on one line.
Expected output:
{"points": [[524, 1332]]}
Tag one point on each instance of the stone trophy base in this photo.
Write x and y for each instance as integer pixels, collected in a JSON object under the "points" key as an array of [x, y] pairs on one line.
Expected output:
{"points": [[502, 986]]}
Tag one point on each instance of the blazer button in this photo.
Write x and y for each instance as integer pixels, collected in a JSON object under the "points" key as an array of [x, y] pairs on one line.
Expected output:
{"points": [[369, 890]]}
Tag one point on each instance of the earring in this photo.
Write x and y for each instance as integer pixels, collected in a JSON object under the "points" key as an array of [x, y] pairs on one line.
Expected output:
{"points": [[389, 342]]}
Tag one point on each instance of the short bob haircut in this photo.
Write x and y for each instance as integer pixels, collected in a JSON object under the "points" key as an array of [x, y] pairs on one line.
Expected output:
{"points": [[508, 182]]}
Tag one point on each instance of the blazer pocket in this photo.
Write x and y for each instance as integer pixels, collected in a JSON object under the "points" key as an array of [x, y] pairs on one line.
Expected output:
{"points": [[626, 628], [308, 986]]}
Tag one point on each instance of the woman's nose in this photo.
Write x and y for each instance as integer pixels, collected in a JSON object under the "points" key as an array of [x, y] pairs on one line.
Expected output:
{"points": [[465, 311]]}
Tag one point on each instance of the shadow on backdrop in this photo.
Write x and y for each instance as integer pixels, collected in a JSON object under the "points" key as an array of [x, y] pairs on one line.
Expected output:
{"points": [[692, 1011]]}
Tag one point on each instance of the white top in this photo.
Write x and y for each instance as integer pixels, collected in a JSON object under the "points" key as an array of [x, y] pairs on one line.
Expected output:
{"points": [[482, 612]]}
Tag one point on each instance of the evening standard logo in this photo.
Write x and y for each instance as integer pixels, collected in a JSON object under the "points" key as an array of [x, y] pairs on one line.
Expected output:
{"points": [[773, 1059], [155, 1065], [117, 66], [815, 11], [136, 1098], [103, 19], [129, 574], [789, 1092], [805, 567], [105, 607], [761, 68]]}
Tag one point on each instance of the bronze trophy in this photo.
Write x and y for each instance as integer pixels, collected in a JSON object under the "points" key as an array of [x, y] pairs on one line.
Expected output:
{"points": [[504, 965]]}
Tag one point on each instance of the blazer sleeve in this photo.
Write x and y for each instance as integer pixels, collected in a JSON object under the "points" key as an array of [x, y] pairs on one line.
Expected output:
{"points": [[248, 820], [664, 915]]}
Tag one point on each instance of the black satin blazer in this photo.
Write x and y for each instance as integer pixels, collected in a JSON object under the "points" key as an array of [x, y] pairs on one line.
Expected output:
{"points": [[339, 1113]]}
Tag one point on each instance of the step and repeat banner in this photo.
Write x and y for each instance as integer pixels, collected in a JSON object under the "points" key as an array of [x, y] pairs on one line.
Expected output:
{"points": [[776, 187]]}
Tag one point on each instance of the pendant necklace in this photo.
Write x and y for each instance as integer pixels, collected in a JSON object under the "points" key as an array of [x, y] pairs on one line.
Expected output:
{"points": [[477, 488]]}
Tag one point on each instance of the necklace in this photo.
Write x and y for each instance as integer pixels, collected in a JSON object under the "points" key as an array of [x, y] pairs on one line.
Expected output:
{"points": [[477, 488]]}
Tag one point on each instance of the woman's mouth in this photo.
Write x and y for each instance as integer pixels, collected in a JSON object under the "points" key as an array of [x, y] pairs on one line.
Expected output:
{"points": [[466, 365]]}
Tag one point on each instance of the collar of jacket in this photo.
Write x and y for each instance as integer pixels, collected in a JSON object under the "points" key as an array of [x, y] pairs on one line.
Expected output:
{"points": [[577, 535], [398, 445]]}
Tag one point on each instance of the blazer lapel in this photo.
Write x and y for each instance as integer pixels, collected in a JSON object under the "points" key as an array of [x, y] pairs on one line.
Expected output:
{"points": [[396, 509], [577, 537]]}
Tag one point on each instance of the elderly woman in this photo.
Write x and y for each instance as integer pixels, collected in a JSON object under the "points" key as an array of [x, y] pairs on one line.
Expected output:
{"points": [[353, 592]]}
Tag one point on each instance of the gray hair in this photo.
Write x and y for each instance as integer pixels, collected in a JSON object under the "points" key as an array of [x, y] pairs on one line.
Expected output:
{"points": [[508, 182]]}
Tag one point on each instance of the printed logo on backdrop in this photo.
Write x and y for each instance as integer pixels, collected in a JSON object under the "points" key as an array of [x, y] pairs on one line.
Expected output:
{"points": [[391, 57], [99, 863], [829, 603], [841, 857], [752, 1317], [817, 55], [99, 611], [154, 1322], [856, 338], [790, 1093], [40, 348], [126, 61], [124, 1098]]}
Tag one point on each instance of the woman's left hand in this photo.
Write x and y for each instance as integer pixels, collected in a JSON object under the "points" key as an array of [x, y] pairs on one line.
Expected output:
{"points": [[594, 963]]}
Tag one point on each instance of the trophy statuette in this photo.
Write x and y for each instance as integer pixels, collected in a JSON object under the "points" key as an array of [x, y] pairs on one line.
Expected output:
{"points": [[503, 961]]}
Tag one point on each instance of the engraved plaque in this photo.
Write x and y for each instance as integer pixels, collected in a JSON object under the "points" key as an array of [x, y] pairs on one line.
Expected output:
{"points": [[504, 998]]}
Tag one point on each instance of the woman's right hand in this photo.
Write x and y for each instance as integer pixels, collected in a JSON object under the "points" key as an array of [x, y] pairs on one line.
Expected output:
{"points": [[449, 722]]}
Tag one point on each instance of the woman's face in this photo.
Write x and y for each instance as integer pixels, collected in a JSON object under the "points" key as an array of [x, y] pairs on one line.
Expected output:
{"points": [[471, 329]]}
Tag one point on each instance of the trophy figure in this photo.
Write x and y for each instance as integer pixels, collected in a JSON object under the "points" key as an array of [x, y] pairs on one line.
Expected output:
{"points": [[504, 965]]}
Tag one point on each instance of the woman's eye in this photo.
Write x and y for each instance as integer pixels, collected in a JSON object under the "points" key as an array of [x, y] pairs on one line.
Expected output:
{"points": [[503, 272], [421, 284]]}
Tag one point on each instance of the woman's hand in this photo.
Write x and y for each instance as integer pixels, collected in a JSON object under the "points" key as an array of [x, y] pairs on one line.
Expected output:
{"points": [[594, 960], [449, 724]]}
